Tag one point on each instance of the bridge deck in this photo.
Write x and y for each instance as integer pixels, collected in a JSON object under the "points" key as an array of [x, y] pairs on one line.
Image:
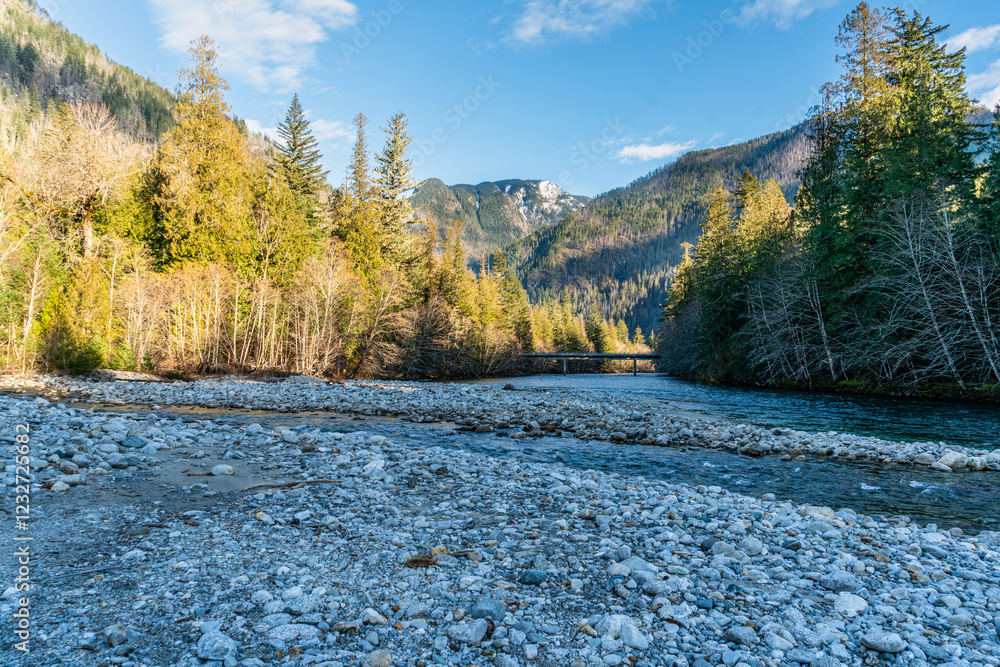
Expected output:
{"points": [[566, 356]]}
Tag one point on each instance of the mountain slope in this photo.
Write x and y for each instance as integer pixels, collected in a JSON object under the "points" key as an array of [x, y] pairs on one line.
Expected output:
{"points": [[617, 251], [42, 64], [493, 214]]}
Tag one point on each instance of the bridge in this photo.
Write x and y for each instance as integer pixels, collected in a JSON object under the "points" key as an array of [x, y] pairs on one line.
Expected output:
{"points": [[566, 356]]}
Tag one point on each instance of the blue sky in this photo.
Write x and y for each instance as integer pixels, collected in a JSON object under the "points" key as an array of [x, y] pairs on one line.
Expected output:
{"points": [[590, 94]]}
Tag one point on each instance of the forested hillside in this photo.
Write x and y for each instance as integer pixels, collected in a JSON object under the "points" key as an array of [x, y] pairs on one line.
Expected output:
{"points": [[887, 272], [211, 250], [618, 251], [43, 65], [493, 215]]}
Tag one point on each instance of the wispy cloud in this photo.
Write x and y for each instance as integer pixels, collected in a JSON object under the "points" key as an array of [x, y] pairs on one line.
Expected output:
{"points": [[330, 130], [782, 13], [269, 43], [975, 39], [544, 19], [256, 127], [986, 85], [645, 152]]}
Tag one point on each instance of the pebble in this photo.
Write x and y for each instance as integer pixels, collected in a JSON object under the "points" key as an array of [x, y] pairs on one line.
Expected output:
{"points": [[380, 658], [470, 632], [884, 642], [486, 607], [534, 577], [216, 646]]}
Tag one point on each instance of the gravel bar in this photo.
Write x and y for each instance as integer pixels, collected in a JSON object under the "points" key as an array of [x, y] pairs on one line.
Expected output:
{"points": [[351, 549]]}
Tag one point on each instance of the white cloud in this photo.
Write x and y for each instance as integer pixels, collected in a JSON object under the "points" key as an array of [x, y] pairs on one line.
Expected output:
{"points": [[330, 130], [975, 39], [269, 43], [255, 127], [646, 152], [541, 19], [986, 85], [782, 13], [335, 14]]}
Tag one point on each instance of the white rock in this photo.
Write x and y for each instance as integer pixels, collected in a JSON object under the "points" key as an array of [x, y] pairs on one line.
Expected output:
{"points": [[850, 605]]}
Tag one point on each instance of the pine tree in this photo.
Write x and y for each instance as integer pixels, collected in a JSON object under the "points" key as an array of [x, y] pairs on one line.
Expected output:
{"points": [[298, 158]]}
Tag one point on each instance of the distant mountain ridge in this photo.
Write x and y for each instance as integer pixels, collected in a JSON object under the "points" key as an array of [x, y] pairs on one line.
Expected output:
{"points": [[494, 214], [617, 252], [42, 65]]}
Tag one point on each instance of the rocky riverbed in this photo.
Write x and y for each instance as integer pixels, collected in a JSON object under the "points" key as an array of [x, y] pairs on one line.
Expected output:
{"points": [[352, 549], [593, 415]]}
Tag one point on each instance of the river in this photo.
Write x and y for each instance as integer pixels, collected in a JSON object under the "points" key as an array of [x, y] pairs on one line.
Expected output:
{"points": [[966, 500]]}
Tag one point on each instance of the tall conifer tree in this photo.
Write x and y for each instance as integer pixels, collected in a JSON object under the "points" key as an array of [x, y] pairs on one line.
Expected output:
{"points": [[298, 158]]}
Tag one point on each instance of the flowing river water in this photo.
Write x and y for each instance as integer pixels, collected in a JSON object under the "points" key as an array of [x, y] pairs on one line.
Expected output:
{"points": [[966, 500]]}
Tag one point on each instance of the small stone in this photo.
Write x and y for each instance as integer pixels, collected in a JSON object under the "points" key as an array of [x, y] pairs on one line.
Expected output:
{"points": [[631, 636], [487, 607], [59, 487], [216, 646], [222, 469], [380, 658], [742, 635], [533, 577], [839, 581], [417, 610], [293, 632], [133, 442], [469, 633], [371, 617], [116, 635], [850, 605], [619, 570], [955, 461], [291, 593], [261, 597], [884, 642], [751, 546]]}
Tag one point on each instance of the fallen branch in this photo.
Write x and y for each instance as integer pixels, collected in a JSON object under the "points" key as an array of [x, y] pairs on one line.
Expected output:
{"points": [[295, 485]]}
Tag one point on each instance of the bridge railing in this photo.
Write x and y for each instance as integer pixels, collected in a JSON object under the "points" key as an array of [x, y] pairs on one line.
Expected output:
{"points": [[566, 356]]}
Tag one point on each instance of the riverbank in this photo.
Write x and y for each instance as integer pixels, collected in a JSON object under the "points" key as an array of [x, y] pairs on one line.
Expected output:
{"points": [[393, 555]]}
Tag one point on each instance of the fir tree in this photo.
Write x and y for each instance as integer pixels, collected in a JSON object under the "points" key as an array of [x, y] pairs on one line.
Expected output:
{"points": [[358, 174], [298, 158], [934, 143], [392, 176]]}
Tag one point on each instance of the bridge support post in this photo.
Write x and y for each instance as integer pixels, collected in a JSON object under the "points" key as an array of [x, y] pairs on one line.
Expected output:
{"points": [[635, 366], [564, 366]]}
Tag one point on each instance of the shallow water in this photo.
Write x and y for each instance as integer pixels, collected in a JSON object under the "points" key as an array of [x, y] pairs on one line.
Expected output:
{"points": [[902, 419], [969, 501]]}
